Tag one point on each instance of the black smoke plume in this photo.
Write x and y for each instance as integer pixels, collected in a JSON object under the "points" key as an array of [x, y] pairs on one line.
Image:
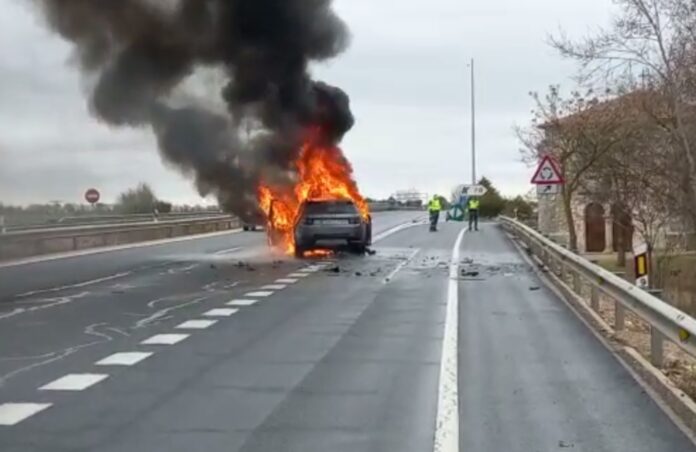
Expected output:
{"points": [[137, 54]]}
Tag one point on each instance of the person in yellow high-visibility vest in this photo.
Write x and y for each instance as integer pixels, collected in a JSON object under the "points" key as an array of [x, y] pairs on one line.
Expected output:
{"points": [[434, 208], [473, 206]]}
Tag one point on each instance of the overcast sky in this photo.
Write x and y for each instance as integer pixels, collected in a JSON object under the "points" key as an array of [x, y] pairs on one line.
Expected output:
{"points": [[406, 72]]}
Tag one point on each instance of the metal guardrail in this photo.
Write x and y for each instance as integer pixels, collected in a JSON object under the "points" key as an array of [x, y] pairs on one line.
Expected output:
{"points": [[95, 220], [17, 245], [666, 321], [72, 229]]}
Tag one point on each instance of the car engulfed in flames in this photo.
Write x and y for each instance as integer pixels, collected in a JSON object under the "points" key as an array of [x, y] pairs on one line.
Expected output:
{"points": [[323, 175]]}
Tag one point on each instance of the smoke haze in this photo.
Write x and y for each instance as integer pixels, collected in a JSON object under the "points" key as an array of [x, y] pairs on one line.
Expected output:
{"points": [[136, 56]]}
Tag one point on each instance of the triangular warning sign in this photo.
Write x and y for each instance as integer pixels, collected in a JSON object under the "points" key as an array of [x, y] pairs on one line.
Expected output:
{"points": [[547, 173]]}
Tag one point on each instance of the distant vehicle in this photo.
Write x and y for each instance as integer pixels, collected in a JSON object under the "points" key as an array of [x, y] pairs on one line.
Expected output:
{"points": [[251, 226], [331, 224]]}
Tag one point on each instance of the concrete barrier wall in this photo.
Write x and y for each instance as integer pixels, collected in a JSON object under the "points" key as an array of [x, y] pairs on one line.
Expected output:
{"points": [[35, 243]]}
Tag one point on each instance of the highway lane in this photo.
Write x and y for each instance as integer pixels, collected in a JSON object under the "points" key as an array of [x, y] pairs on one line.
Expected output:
{"points": [[346, 358], [533, 377], [94, 265], [339, 360]]}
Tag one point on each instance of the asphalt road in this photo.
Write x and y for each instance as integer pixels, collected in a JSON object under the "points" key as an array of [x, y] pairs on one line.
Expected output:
{"points": [[340, 355]]}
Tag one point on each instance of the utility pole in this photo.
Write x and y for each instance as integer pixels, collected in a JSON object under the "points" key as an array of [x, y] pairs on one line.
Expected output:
{"points": [[473, 126]]}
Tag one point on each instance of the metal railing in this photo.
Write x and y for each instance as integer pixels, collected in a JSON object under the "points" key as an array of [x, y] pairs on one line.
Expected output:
{"points": [[107, 219], [666, 322]]}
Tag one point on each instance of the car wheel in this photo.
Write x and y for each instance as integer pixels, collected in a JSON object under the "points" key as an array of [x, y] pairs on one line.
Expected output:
{"points": [[358, 248], [246, 228], [299, 251]]}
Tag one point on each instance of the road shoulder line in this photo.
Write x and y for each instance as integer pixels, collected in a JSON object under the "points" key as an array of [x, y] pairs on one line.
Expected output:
{"points": [[447, 420]]}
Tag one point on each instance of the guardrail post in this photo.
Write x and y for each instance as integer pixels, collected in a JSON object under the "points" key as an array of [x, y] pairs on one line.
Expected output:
{"points": [[577, 286], [2, 224], [656, 347], [619, 316], [594, 298]]}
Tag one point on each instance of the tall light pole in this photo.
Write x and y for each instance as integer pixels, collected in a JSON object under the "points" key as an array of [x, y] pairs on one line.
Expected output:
{"points": [[473, 126]]}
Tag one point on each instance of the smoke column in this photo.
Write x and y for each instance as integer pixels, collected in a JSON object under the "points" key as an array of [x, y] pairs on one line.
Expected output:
{"points": [[136, 56]]}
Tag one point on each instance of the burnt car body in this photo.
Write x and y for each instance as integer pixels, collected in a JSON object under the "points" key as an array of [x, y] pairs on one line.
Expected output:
{"points": [[331, 224]]}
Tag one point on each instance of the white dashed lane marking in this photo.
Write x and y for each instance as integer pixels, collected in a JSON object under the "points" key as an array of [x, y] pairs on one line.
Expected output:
{"points": [[298, 275], [308, 270], [14, 413], [274, 287], [221, 312], [196, 324], [124, 359], [261, 294], [74, 382], [165, 339], [286, 281], [241, 302]]}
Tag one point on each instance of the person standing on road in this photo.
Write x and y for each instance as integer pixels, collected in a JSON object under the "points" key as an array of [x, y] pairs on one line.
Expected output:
{"points": [[434, 207], [473, 206]]}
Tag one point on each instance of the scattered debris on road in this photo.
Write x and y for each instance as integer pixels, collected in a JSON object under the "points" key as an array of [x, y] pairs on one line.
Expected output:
{"points": [[334, 269], [533, 288], [469, 273]]}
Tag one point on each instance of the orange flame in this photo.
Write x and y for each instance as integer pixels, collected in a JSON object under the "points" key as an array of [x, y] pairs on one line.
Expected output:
{"points": [[323, 173]]}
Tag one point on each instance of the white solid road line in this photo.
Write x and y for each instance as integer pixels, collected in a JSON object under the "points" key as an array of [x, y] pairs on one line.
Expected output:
{"points": [[74, 382], [261, 294], [196, 324], [286, 280], [400, 266], [14, 413], [298, 275], [165, 339], [447, 422], [396, 229], [108, 249], [124, 359], [241, 302], [221, 312], [274, 287]]}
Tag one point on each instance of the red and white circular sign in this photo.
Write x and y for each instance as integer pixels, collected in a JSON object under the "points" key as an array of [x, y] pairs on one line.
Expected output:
{"points": [[92, 196]]}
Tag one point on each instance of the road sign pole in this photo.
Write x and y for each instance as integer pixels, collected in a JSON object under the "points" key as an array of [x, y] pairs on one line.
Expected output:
{"points": [[473, 126]]}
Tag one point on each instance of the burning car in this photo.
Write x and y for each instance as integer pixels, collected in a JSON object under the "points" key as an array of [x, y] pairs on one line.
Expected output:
{"points": [[323, 206], [330, 223]]}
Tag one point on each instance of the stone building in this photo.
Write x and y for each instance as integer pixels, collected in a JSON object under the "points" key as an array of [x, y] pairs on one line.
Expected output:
{"points": [[599, 227]]}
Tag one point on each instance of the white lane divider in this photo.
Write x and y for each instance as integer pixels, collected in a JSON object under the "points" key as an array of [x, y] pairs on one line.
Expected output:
{"points": [[196, 324], [309, 270], [298, 275], [241, 302], [14, 413], [124, 359], [286, 280], [260, 294], [447, 421], [401, 265], [165, 339], [274, 287], [74, 382], [221, 312]]}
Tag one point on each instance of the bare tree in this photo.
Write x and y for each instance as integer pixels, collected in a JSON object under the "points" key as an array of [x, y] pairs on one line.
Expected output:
{"points": [[653, 41], [579, 131]]}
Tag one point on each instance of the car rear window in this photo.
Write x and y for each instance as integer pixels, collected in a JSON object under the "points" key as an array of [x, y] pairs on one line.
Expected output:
{"points": [[332, 207]]}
